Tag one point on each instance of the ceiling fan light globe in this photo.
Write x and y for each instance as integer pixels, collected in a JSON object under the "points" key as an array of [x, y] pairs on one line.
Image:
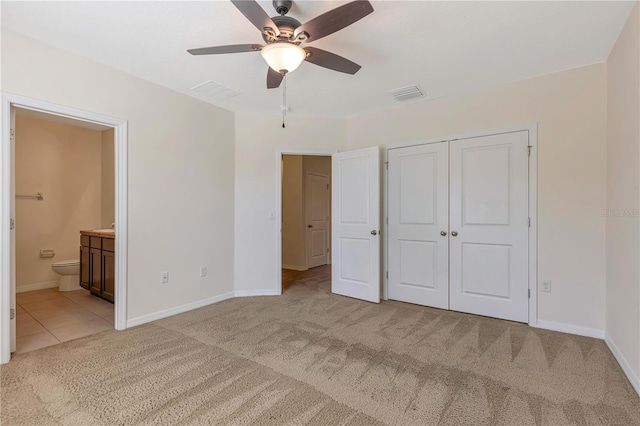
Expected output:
{"points": [[283, 57]]}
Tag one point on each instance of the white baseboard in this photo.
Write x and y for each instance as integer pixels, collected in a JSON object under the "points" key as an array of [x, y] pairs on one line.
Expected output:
{"points": [[295, 267], [571, 329], [251, 293], [177, 310], [36, 286], [635, 381]]}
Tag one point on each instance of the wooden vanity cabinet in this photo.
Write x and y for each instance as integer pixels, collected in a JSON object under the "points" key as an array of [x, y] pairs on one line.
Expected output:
{"points": [[108, 270], [85, 279], [95, 262], [97, 266]]}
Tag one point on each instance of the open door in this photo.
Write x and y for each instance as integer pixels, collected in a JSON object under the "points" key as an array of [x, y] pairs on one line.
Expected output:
{"points": [[355, 212], [12, 208]]}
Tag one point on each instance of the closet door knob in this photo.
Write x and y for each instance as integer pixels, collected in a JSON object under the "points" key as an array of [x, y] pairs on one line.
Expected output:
{"points": [[454, 233], [374, 232], [443, 233]]}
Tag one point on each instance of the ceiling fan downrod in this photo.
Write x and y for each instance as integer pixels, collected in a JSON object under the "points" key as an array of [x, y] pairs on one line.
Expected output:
{"points": [[282, 6]]}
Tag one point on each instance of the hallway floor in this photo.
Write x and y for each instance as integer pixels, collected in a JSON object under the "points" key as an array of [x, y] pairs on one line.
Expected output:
{"points": [[313, 275], [48, 317]]}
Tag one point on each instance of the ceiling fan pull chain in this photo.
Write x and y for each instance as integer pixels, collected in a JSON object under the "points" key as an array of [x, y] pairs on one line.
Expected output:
{"points": [[284, 98]]}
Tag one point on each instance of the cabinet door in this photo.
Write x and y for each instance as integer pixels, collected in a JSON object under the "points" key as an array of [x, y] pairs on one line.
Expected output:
{"points": [[108, 275], [85, 277], [95, 263]]}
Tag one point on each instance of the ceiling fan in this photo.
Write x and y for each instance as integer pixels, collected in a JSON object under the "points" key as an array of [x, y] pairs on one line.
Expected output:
{"points": [[284, 34]]}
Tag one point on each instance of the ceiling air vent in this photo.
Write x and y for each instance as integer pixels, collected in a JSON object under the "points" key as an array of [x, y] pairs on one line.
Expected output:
{"points": [[409, 92], [215, 90]]}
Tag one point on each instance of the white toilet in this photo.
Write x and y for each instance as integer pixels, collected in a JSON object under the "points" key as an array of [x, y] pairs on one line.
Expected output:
{"points": [[69, 271]]}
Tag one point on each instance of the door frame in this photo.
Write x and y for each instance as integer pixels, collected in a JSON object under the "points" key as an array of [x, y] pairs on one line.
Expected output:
{"points": [[277, 288], [7, 100], [532, 129]]}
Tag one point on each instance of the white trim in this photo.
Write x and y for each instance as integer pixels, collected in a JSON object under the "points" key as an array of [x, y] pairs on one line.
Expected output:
{"points": [[295, 267], [252, 293], [533, 197], [533, 229], [635, 380], [570, 329], [37, 286], [384, 293], [178, 309], [5, 237], [120, 146], [277, 285], [470, 135], [121, 229]]}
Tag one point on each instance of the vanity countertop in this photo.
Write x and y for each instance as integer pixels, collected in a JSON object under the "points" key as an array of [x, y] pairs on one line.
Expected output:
{"points": [[104, 233]]}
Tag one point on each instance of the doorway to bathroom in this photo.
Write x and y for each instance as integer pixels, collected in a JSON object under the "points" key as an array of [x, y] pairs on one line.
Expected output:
{"points": [[64, 183], [64, 172]]}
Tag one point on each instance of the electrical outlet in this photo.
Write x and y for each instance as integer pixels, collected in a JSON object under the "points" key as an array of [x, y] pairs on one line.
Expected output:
{"points": [[203, 271], [164, 277], [546, 286]]}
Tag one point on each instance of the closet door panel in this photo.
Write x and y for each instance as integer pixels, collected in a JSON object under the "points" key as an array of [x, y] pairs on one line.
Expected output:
{"points": [[489, 226], [418, 213]]}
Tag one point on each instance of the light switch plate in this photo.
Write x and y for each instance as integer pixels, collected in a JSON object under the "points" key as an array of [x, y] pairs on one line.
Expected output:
{"points": [[203, 271], [164, 277]]}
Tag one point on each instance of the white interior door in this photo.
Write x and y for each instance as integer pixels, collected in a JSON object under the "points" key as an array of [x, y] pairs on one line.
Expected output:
{"points": [[489, 226], [12, 262], [355, 223], [419, 224], [317, 218]]}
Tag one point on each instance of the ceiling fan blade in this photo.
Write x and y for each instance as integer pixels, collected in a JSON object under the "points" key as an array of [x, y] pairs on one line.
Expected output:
{"points": [[274, 78], [331, 60], [256, 14], [231, 48], [334, 20]]}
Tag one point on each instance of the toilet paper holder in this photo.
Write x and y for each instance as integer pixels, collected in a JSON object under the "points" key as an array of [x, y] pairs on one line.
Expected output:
{"points": [[47, 253]]}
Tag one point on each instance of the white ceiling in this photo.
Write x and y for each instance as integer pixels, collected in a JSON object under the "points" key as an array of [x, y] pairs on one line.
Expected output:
{"points": [[444, 47]]}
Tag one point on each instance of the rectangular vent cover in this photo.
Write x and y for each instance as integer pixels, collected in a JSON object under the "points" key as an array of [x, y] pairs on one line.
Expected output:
{"points": [[409, 92], [215, 90]]}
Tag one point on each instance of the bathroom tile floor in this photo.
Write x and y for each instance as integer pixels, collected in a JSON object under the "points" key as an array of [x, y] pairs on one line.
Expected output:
{"points": [[48, 317]]}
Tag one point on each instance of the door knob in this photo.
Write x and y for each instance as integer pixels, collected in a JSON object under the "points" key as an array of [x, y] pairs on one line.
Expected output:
{"points": [[454, 233], [443, 233], [309, 226], [374, 232]]}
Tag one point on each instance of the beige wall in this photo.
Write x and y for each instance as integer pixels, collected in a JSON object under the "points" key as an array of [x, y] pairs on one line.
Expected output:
{"points": [[570, 109], [180, 170], [107, 197], [623, 196], [293, 222], [62, 162], [258, 137]]}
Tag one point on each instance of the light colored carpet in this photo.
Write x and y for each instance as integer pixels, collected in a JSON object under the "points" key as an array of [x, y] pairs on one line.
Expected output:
{"points": [[312, 357]]}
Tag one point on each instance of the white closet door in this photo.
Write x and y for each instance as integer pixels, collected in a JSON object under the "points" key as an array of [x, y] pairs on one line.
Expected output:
{"points": [[489, 226], [355, 224], [418, 218]]}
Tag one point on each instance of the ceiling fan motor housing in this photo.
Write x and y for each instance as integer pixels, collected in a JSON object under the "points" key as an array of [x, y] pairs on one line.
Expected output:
{"points": [[287, 25], [282, 6]]}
